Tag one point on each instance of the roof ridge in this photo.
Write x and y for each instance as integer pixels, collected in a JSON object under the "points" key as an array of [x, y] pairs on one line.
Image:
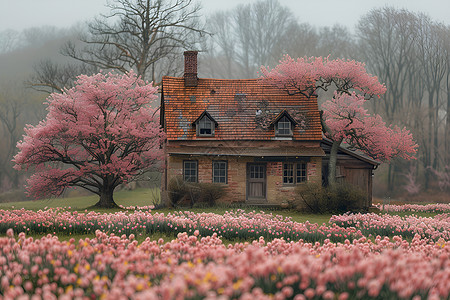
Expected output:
{"points": [[216, 79]]}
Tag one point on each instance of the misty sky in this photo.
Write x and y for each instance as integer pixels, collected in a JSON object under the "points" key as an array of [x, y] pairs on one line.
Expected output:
{"points": [[20, 14]]}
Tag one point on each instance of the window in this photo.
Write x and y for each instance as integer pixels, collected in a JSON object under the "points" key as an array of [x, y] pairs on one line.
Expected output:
{"points": [[294, 173], [219, 169], [205, 127], [205, 124], [283, 127], [190, 170]]}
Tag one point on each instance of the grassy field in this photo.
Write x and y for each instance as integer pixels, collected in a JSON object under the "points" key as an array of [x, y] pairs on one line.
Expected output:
{"points": [[145, 197], [138, 197]]}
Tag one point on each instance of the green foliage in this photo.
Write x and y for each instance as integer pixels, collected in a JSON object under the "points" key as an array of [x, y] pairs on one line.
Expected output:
{"points": [[181, 192], [338, 198]]}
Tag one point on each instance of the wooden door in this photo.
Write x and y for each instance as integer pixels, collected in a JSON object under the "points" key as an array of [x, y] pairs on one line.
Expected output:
{"points": [[256, 182]]}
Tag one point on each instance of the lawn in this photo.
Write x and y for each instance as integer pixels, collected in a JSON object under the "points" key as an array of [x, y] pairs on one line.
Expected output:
{"points": [[138, 197], [146, 197]]}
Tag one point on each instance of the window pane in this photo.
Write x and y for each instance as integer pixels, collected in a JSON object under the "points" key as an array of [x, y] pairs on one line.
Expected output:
{"points": [[190, 171], [284, 126], [220, 171], [301, 172], [205, 126], [288, 173]]}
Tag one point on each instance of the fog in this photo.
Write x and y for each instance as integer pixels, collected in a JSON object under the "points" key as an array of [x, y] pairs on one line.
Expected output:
{"points": [[33, 35], [18, 15]]}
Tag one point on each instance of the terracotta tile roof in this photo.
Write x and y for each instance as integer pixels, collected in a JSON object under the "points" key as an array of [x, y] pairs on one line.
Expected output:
{"points": [[243, 109]]}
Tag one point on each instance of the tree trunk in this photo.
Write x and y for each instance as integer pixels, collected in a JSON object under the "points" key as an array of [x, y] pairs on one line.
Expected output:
{"points": [[447, 133], [436, 133], [390, 179], [106, 198], [447, 124], [332, 162]]}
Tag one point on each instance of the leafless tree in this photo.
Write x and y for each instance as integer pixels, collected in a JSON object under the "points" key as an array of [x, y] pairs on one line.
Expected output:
{"points": [[50, 77], [386, 38], [410, 53], [336, 41], [220, 50], [299, 40], [9, 40], [446, 40], [139, 35], [246, 36], [433, 61], [12, 102]]}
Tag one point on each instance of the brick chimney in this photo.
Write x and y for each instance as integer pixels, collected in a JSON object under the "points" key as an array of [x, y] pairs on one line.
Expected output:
{"points": [[190, 69]]}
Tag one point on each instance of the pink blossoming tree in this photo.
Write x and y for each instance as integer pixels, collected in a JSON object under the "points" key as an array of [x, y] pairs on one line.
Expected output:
{"points": [[344, 120], [97, 135]]}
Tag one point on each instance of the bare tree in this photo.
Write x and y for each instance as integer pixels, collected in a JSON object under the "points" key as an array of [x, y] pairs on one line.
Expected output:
{"points": [[298, 40], [386, 39], [219, 57], [139, 34], [13, 99], [247, 35], [9, 41], [410, 54], [50, 77], [336, 41], [446, 40], [433, 61]]}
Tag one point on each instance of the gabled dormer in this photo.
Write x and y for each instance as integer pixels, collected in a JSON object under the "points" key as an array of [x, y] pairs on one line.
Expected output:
{"points": [[205, 125], [284, 124]]}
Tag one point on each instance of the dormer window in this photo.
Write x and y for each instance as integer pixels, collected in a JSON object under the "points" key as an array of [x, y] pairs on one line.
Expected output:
{"points": [[205, 127], [205, 124], [284, 124], [283, 127]]}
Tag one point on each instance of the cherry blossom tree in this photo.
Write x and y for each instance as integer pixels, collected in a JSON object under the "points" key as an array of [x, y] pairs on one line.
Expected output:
{"points": [[344, 120], [97, 135]]}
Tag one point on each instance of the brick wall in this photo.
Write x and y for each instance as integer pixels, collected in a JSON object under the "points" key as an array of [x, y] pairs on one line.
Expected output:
{"points": [[237, 176]]}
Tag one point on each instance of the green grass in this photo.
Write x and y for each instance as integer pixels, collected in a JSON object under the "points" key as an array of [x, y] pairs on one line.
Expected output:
{"points": [[295, 215], [138, 197], [145, 197]]}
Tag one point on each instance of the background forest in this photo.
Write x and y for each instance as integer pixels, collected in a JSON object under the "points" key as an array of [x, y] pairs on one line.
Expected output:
{"points": [[409, 52]]}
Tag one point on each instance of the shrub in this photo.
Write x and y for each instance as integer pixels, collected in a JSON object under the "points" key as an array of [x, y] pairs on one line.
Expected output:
{"points": [[339, 198], [177, 191], [209, 193], [189, 193]]}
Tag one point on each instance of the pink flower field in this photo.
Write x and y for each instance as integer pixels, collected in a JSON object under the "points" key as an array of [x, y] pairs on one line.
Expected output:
{"points": [[441, 207], [355, 256]]}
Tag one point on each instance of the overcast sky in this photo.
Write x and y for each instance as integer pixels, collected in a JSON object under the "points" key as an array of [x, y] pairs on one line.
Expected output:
{"points": [[20, 14]]}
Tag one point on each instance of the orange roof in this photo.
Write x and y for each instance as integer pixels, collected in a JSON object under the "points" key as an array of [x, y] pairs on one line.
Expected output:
{"points": [[243, 109]]}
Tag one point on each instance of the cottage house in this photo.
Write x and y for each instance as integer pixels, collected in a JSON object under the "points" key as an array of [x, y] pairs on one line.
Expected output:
{"points": [[255, 139]]}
